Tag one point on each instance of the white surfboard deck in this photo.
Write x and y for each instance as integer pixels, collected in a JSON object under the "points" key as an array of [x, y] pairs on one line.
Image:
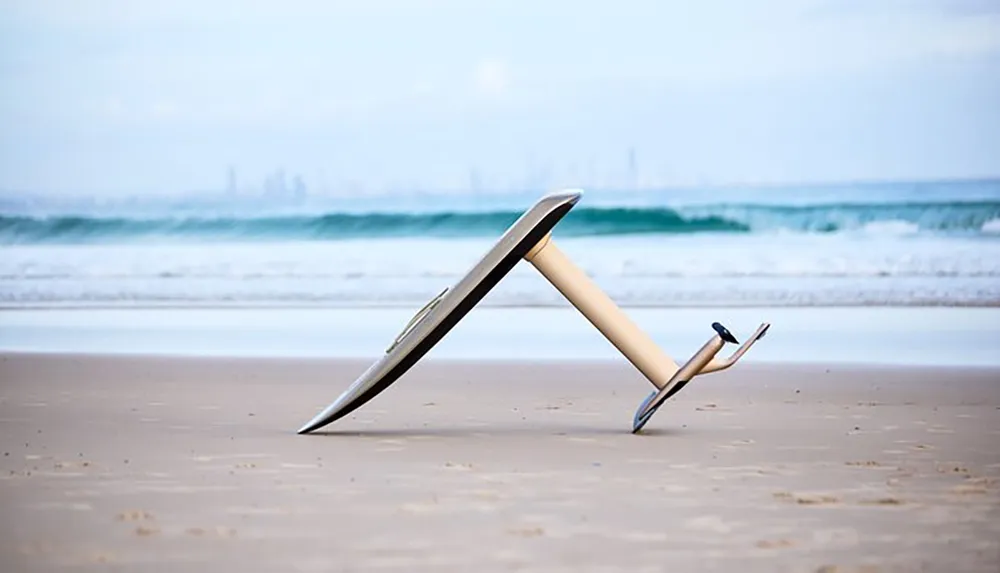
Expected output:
{"points": [[442, 313]]}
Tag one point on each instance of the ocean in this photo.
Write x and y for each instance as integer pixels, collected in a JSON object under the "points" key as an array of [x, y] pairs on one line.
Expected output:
{"points": [[884, 244]]}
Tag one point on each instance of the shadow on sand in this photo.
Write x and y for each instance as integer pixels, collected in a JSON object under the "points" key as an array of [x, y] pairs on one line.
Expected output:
{"points": [[498, 431]]}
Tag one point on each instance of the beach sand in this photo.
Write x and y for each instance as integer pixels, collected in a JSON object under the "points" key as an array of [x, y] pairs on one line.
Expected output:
{"points": [[181, 464]]}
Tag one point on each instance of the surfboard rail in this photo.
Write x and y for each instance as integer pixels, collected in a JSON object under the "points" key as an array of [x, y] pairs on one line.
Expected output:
{"points": [[428, 328]]}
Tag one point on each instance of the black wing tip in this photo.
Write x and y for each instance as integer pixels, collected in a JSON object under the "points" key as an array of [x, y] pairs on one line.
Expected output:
{"points": [[763, 332], [724, 333], [641, 415]]}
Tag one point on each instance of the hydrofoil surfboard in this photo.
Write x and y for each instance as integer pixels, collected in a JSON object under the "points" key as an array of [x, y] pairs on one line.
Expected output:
{"points": [[529, 238]]}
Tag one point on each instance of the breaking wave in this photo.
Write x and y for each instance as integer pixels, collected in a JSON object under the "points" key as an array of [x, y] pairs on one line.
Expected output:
{"points": [[971, 217]]}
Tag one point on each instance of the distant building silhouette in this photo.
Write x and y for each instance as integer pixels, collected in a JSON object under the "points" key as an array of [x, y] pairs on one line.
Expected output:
{"points": [[633, 169], [232, 186], [299, 190], [274, 185]]}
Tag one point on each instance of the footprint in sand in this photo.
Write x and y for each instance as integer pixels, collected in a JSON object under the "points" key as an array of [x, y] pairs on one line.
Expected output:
{"points": [[883, 501], [816, 500], [102, 557], [457, 466], [135, 515], [217, 531], [774, 543], [806, 499], [527, 531], [970, 488], [710, 523]]}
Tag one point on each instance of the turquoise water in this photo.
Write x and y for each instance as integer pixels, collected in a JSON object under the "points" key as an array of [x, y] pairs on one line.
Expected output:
{"points": [[958, 217], [933, 243]]}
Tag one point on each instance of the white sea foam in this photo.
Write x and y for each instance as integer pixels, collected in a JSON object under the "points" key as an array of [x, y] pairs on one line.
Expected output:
{"points": [[892, 227], [658, 271]]}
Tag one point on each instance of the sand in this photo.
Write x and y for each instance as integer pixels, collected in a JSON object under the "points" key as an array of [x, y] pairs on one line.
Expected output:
{"points": [[170, 464]]}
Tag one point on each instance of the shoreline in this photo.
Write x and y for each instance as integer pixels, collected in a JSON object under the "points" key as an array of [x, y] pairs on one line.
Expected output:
{"points": [[362, 362], [361, 305], [876, 335]]}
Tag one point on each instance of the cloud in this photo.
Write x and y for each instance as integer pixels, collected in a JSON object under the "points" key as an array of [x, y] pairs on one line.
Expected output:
{"points": [[163, 109], [970, 36], [969, 7], [114, 107], [335, 68], [932, 7], [492, 77], [859, 36], [423, 88]]}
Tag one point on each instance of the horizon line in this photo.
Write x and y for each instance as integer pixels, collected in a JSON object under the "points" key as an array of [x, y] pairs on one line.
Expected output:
{"points": [[512, 190]]}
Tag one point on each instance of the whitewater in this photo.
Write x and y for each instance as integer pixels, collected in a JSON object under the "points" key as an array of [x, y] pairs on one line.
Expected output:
{"points": [[886, 244]]}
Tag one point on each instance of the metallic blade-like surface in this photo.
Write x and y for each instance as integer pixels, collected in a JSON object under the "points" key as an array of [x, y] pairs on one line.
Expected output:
{"points": [[453, 305]]}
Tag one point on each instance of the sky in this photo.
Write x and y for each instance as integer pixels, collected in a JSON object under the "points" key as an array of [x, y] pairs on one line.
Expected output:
{"points": [[134, 96]]}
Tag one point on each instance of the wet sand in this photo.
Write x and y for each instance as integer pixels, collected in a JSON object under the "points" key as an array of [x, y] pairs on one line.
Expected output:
{"points": [[171, 464]]}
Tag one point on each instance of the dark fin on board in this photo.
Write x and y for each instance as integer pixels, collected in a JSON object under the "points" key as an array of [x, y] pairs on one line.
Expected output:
{"points": [[724, 333]]}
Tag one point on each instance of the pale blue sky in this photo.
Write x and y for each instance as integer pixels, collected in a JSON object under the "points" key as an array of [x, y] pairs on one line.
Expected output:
{"points": [[133, 96]]}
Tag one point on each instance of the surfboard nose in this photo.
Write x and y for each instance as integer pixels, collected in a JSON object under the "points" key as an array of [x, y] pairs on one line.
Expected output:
{"points": [[313, 424], [563, 196], [321, 419]]}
